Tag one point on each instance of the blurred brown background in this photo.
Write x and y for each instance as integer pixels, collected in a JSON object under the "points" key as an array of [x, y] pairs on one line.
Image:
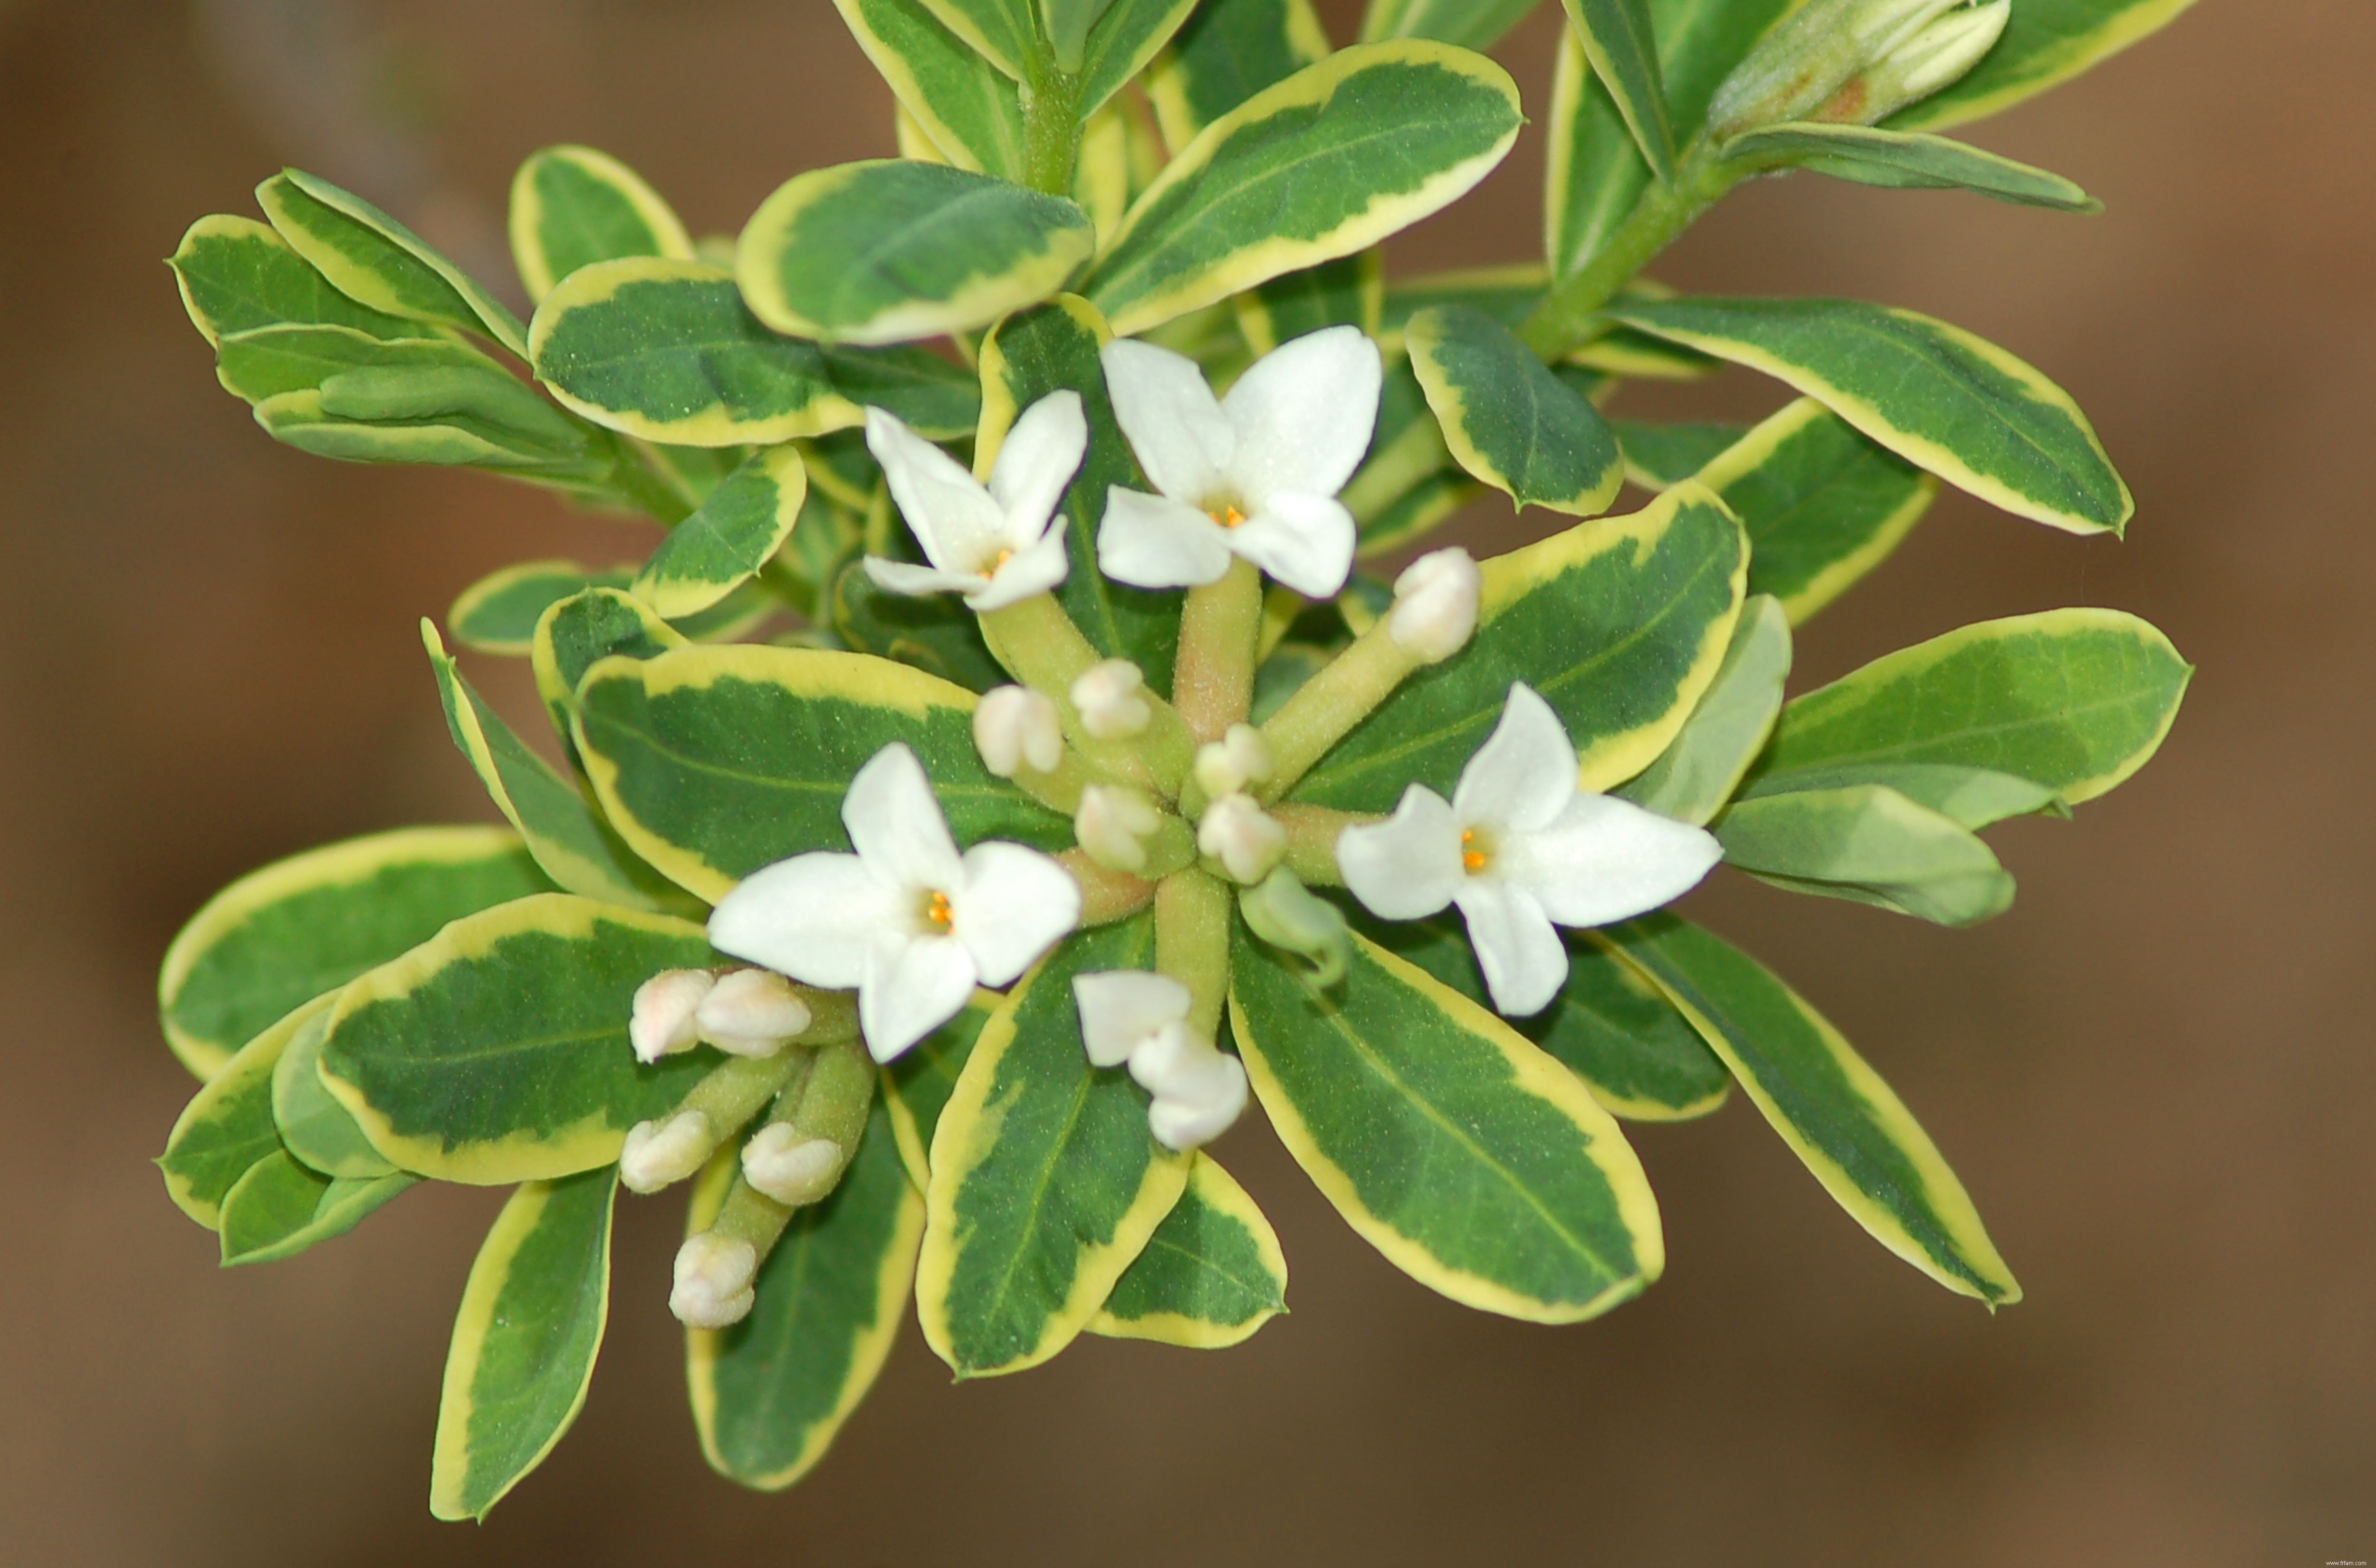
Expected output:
{"points": [[2154, 1073]]}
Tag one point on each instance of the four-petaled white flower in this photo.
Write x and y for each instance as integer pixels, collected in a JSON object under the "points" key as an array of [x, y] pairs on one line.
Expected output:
{"points": [[995, 544], [909, 921], [1254, 474], [1520, 849]]}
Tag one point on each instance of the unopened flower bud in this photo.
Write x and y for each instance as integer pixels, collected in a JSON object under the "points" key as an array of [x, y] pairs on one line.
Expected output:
{"points": [[713, 1280], [1239, 759], [1113, 822], [793, 1170], [1014, 727], [663, 1021], [1798, 67], [1121, 1009], [1109, 697], [1186, 1125], [661, 1154], [1435, 605], [1198, 1091], [1243, 836], [751, 1012], [1935, 58]]}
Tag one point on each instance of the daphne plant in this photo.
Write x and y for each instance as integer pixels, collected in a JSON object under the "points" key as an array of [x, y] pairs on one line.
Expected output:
{"points": [[1083, 787]]}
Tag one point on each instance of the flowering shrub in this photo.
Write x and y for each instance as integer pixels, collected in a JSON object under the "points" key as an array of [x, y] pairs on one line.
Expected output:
{"points": [[1087, 788]]}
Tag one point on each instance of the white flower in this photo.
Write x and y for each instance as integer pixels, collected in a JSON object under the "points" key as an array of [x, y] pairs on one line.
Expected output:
{"points": [[1435, 605], [1239, 759], [1254, 474], [1520, 849], [1014, 727], [1246, 840], [995, 545], [1109, 694], [792, 1169], [665, 1011], [751, 1013], [909, 922], [1113, 824], [1135, 1017]]}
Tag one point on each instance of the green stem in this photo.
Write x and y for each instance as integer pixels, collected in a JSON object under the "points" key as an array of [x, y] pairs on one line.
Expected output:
{"points": [[1213, 681], [1191, 943], [1566, 319], [1051, 130], [1323, 709], [636, 475], [1038, 642]]}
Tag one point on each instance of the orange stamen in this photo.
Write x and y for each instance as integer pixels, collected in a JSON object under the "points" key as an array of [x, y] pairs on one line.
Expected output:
{"points": [[936, 910], [1227, 517], [1470, 856]]}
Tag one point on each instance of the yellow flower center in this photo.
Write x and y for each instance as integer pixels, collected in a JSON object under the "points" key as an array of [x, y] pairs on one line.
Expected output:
{"points": [[936, 911], [1473, 855], [1001, 559], [1229, 517]]}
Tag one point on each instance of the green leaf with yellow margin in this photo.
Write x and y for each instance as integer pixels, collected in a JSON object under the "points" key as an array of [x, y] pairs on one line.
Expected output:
{"points": [[935, 632], [2046, 43], [1348, 292], [917, 1085], [1870, 845], [1121, 44], [1056, 348], [571, 206], [452, 415], [1823, 505], [1002, 32], [525, 1339], [1868, 155], [1046, 1182], [1942, 399], [1615, 1032], [1328, 163], [731, 536], [577, 633], [888, 250], [1224, 53], [571, 842], [1969, 797], [282, 1208], [667, 350], [770, 1393], [1830, 1107], [301, 927], [1506, 293], [497, 1051], [2074, 700], [237, 275], [315, 1129], [1475, 1162], [1699, 772], [500, 611], [1617, 40], [716, 761], [1508, 419], [1473, 24], [1211, 1275], [965, 106], [1620, 623], [1595, 173], [227, 1126], [371, 257], [265, 361]]}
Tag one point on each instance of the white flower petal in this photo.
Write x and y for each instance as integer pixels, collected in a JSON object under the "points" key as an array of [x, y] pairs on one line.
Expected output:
{"points": [[1037, 459], [913, 985], [1186, 1125], [1176, 427], [1036, 568], [810, 917], [896, 827], [1607, 860], [907, 578], [1153, 541], [1524, 774], [1122, 1007], [1406, 867], [949, 512], [1011, 905], [1303, 540], [1521, 952], [1304, 414]]}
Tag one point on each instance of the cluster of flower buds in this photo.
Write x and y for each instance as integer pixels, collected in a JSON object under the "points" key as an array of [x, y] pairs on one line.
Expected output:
{"points": [[1855, 61], [1015, 727], [1140, 1018], [751, 1013]]}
